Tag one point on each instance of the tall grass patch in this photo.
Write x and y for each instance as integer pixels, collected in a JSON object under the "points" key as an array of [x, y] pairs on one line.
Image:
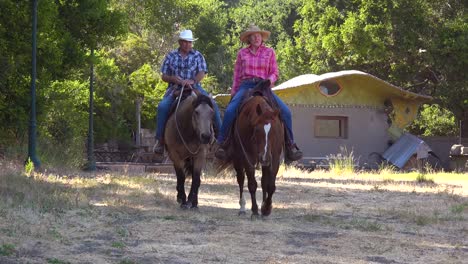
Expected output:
{"points": [[39, 193], [342, 162]]}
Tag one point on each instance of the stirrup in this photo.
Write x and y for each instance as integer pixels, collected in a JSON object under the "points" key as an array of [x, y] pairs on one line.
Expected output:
{"points": [[158, 148]]}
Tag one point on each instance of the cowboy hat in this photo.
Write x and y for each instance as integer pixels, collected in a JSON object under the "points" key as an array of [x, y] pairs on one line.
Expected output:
{"points": [[244, 36], [186, 35]]}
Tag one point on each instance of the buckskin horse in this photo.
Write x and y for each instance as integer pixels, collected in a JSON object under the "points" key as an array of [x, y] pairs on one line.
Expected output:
{"points": [[187, 136], [257, 137]]}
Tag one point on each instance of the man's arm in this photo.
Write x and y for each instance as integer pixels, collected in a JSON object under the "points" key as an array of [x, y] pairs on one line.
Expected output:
{"points": [[172, 79], [200, 75], [179, 81]]}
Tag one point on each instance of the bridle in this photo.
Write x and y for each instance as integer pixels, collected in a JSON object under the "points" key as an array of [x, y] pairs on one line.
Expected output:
{"points": [[252, 139], [177, 124]]}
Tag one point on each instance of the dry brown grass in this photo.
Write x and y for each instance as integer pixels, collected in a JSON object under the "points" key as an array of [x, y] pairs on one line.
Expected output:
{"points": [[318, 217]]}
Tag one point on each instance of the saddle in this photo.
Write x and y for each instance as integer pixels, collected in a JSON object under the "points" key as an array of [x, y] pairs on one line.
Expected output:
{"points": [[184, 93], [261, 89]]}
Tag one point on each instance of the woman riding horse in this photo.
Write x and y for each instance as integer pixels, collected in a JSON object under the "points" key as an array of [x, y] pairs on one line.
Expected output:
{"points": [[255, 63]]}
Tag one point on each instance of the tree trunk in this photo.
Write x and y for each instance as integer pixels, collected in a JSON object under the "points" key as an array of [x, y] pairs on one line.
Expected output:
{"points": [[138, 119]]}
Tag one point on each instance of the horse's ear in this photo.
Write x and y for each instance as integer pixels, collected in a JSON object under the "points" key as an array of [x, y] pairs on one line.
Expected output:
{"points": [[259, 110]]}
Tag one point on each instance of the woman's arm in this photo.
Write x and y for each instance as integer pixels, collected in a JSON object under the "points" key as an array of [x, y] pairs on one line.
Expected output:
{"points": [[274, 73]]}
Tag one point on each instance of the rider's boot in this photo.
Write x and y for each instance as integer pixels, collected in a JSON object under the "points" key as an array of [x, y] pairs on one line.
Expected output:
{"points": [[220, 153], [158, 148], [293, 152]]}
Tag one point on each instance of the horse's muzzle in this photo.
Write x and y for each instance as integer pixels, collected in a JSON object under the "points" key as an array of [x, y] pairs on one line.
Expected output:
{"points": [[265, 160], [205, 138]]}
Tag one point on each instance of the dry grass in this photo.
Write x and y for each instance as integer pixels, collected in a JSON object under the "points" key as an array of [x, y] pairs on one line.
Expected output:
{"points": [[318, 217]]}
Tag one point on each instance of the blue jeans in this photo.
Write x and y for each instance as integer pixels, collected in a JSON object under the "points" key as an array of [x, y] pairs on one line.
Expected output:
{"points": [[165, 106], [231, 110]]}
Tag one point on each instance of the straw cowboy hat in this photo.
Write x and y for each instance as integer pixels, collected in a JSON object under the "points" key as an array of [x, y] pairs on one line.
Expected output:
{"points": [[186, 35], [244, 36]]}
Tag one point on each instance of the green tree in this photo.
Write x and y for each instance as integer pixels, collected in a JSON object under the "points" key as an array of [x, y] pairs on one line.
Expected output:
{"points": [[418, 45], [147, 85], [363, 35], [15, 62], [448, 53]]}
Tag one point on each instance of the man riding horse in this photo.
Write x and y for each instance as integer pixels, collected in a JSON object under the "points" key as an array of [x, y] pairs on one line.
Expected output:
{"points": [[255, 63], [181, 68]]}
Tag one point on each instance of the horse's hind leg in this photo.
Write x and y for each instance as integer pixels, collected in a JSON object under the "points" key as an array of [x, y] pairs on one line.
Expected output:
{"points": [[268, 188], [240, 180], [181, 196]]}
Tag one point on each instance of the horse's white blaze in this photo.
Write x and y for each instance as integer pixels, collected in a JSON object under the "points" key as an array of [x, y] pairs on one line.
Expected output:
{"points": [[267, 128]]}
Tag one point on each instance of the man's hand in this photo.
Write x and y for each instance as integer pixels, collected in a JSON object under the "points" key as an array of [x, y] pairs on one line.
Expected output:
{"points": [[178, 80], [189, 82]]}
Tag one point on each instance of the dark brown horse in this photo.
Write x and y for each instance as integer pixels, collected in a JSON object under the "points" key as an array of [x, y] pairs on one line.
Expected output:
{"points": [[258, 138], [187, 136]]}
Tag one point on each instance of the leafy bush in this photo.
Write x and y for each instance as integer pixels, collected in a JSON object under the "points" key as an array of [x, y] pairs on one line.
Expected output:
{"points": [[434, 120]]}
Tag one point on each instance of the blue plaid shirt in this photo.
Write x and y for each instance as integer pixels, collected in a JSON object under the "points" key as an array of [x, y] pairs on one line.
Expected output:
{"points": [[185, 68]]}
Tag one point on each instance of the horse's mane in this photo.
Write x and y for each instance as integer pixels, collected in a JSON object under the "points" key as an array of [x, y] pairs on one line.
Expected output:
{"points": [[202, 99]]}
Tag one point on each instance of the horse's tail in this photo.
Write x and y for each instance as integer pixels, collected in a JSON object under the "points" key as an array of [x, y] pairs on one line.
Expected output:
{"points": [[222, 165]]}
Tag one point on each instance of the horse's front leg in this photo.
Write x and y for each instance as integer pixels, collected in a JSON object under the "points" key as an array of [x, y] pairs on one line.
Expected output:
{"points": [[268, 187], [193, 195], [196, 168], [252, 189], [240, 181], [181, 197]]}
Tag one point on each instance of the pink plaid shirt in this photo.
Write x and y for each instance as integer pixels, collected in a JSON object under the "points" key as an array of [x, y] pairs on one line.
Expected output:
{"points": [[259, 65]]}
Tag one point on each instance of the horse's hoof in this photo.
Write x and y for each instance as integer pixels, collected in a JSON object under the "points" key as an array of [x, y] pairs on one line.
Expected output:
{"points": [[254, 217], [266, 210], [242, 213], [180, 200], [266, 213], [265, 217], [185, 206]]}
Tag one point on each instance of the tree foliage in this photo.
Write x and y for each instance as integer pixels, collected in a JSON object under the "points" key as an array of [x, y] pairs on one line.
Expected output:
{"points": [[420, 45]]}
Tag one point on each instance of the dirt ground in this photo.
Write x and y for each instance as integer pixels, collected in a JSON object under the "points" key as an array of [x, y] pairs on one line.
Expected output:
{"points": [[316, 218]]}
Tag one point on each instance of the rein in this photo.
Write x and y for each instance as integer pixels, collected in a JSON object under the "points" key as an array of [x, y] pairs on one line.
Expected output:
{"points": [[177, 125], [242, 147]]}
